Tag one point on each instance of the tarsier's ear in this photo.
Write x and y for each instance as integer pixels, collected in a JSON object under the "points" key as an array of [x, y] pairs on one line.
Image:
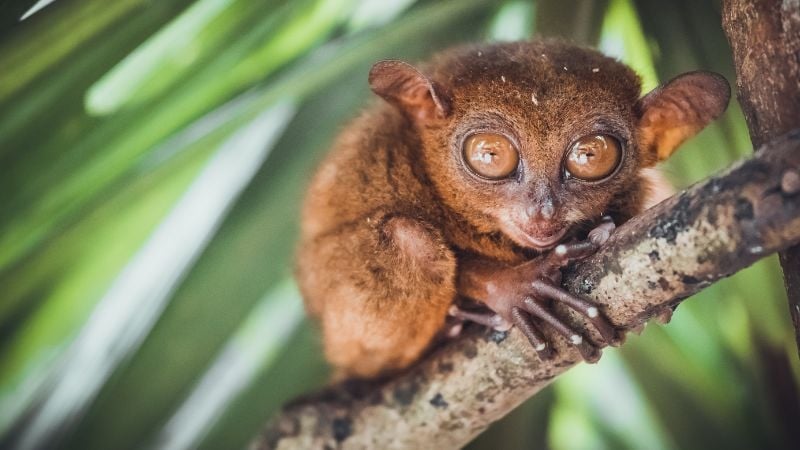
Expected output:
{"points": [[679, 109], [402, 85]]}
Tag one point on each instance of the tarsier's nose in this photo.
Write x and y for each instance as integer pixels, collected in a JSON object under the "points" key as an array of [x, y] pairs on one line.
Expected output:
{"points": [[544, 210], [541, 206]]}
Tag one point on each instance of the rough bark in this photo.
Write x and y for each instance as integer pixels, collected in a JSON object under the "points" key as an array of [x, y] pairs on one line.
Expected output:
{"points": [[765, 39], [650, 265]]}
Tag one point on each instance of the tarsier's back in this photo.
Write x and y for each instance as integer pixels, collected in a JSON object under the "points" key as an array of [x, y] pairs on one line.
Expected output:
{"points": [[454, 192]]}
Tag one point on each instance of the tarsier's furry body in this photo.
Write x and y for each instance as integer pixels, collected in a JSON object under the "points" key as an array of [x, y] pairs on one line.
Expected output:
{"points": [[399, 224]]}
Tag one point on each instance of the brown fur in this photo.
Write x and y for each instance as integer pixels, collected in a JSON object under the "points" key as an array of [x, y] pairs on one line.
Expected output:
{"points": [[392, 210]]}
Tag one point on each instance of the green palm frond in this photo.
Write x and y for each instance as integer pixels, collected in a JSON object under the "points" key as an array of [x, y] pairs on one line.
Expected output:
{"points": [[153, 156]]}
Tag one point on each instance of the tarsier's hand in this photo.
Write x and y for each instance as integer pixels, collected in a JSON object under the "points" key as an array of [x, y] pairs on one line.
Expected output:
{"points": [[521, 295]]}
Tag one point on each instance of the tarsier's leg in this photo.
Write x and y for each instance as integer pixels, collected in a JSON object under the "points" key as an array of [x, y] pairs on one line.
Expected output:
{"points": [[381, 288]]}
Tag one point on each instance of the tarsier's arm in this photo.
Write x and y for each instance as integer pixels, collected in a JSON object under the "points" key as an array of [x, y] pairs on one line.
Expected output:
{"points": [[382, 285]]}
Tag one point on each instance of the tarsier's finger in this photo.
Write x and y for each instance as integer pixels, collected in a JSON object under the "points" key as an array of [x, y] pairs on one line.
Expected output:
{"points": [[574, 250], [600, 234], [533, 307], [588, 351], [453, 330], [582, 306], [524, 323], [487, 319]]}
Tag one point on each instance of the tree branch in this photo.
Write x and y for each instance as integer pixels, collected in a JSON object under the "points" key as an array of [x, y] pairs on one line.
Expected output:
{"points": [[649, 266]]}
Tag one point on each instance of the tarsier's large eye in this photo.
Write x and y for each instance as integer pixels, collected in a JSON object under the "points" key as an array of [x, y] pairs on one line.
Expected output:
{"points": [[490, 155], [593, 157]]}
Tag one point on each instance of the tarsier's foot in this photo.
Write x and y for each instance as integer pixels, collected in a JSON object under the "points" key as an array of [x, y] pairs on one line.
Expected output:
{"points": [[530, 289]]}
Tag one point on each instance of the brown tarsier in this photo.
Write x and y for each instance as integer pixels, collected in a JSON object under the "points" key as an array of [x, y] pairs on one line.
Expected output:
{"points": [[480, 176]]}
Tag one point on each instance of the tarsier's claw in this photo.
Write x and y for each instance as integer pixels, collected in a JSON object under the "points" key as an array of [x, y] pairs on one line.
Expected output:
{"points": [[664, 316], [590, 353]]}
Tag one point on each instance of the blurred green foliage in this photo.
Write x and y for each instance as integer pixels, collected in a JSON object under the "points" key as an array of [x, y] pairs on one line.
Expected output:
{"points": [[148, 220]]}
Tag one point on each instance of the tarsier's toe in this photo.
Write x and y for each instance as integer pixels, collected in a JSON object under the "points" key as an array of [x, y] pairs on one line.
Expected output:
{"points": [[590, 353], [567, 253], [523, 321], [454, 330], [487, 319], [572, 251], [602, 232], [580, 305]]}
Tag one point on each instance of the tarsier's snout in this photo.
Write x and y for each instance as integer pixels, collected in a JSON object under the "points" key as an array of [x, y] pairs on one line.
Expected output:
{"points": [[536, 225]]}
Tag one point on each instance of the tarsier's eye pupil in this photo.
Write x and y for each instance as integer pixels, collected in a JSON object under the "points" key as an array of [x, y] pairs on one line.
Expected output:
{"points": [[490, 155], [594, 157]]}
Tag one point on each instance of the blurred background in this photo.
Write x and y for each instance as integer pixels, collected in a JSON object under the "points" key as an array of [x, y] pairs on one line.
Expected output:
{"points": [[153, 156]]}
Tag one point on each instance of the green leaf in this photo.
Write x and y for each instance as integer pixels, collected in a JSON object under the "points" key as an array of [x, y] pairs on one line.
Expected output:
{"points": [[135, 299], [100, 153], [254, 347]]}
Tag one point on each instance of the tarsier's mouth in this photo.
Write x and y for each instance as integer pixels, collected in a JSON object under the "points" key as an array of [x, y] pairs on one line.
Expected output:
{"points": [[537, 241]]}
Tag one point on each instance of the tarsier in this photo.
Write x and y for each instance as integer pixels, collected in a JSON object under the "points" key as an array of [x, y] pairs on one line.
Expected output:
{"points": [[480, 176]]}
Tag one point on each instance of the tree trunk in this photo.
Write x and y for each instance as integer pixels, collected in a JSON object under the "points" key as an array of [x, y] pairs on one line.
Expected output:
{"points": [[765, 39]]}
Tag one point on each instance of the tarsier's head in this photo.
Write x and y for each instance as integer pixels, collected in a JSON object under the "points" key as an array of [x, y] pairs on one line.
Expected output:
{"points": [[535, 139]]}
